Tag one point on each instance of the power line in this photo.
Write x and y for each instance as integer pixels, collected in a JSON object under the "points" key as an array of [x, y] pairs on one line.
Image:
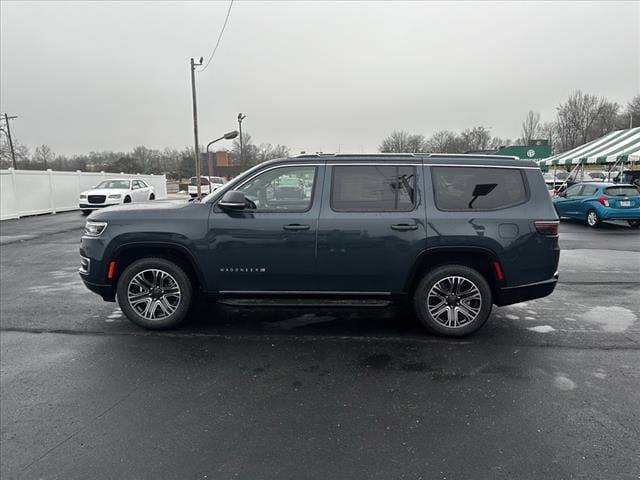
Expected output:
{"points": [[219, 37]]}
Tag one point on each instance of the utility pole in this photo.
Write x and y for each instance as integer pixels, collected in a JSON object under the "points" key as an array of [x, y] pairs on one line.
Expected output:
{"points": [[195, 123], [13, 153], [240, 118]]}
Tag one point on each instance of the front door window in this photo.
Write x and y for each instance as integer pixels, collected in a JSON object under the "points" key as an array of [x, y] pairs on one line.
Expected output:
{"points": [[287, 189]]}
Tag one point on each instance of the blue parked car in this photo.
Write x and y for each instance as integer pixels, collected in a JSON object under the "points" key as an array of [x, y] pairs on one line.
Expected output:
{"points": [[596, 202]]}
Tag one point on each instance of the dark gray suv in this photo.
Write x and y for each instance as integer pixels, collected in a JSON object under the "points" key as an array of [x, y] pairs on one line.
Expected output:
{"points": [[451, 234]]}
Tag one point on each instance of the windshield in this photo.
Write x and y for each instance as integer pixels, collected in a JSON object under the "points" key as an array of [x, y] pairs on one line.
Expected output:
{"points": [[123, 184]]}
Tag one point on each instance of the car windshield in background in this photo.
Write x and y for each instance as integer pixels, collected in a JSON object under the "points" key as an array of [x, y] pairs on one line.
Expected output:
{"points": [[217, 180], [121, 184], [203, 181], [622, 191]]}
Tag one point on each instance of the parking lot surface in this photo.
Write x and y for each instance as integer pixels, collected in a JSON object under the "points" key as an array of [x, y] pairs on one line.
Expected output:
{"points": [[547, 389]]}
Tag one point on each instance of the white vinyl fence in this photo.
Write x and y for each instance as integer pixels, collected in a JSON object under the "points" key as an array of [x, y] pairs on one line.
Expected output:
{"points": [[31, 192]]}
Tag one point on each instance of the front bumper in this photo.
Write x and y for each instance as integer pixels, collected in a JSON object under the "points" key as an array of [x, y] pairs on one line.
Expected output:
{"points": [[94, 206], [107, 292], [522, 293]]}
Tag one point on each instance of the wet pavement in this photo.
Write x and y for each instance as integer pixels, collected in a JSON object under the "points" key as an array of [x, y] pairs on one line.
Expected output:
{"points": [[547, 389]]}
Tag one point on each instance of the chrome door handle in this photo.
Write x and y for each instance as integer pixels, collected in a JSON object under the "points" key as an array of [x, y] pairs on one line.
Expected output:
{"points": [[296, 226], [404, 227]]}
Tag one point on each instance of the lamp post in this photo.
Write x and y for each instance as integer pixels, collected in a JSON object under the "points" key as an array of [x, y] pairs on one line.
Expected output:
{"points": [[227, 136], [240, 118]]}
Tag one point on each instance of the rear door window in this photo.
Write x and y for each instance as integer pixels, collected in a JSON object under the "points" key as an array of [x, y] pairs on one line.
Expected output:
{"points": [[478, 188], [373, 188]]}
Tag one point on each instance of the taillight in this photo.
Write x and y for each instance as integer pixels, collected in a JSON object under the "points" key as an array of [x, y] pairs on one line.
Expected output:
{"points": [[547, 228], [603, 200]]}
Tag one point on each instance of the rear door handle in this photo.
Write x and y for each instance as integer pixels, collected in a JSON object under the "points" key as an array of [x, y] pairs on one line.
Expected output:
{"points": [[404, 227], [296, 226]]}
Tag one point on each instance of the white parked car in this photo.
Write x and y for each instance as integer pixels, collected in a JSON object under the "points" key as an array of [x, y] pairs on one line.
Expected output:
{"points": [[207, 185], [115, 192]]}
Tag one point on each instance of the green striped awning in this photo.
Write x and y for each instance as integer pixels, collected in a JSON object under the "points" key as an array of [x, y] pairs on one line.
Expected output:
{"points": [[622, 145]]}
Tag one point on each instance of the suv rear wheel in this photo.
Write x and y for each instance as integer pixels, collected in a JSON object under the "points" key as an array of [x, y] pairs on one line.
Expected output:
{"points": [[154, 293], [453, 300]]}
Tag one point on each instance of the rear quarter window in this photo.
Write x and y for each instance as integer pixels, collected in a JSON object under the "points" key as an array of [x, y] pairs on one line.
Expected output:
{"points": [[478, 188], [622, 191]]}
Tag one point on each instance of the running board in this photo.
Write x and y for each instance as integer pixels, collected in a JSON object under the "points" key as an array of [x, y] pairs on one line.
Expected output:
{"points": [[304, 302]]}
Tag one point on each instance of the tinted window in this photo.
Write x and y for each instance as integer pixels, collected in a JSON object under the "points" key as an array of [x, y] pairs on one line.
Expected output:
{"points": [[373, 188], [589, 190], [628, 191], [287, 189], [477, 188]]}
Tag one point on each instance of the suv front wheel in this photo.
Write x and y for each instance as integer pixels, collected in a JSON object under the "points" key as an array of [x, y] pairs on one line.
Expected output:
{"points": [[453, 300], [154, 293]]}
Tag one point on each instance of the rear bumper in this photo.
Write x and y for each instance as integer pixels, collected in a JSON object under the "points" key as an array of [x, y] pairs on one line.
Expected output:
{"points": [[522, 293], [619, 213]]}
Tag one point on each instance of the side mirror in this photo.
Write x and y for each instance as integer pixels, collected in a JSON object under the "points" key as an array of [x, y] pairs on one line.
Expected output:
{"points": [[233, 200]]}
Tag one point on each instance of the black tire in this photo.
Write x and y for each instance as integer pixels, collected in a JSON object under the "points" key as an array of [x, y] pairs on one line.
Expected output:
{"points": [[152, 197], [127, 199], [593, 220], [635, 224], [472, 280], [176, 273], [86, 212]]}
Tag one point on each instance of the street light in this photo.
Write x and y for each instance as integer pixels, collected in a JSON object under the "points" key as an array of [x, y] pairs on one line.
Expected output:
{"points": [[227, 136], [240, 118]]}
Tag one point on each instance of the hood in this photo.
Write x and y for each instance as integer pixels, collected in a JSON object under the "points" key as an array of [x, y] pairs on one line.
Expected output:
{"points": [[105, 191], [132, 210]]}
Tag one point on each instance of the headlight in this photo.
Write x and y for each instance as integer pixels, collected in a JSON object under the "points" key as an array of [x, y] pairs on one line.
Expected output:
{"points": [[115, 196], [82, 195], [94, 229]]}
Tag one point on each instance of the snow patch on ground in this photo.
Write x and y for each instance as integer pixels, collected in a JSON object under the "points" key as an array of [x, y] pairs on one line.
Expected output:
{"points": [[611, 319], [529, 318], [564, 383], [601, 374], [542, 329], [512, 317]]}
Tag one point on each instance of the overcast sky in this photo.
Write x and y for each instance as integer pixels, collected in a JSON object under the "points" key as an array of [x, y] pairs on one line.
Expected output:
{"points": [[314, 76]]}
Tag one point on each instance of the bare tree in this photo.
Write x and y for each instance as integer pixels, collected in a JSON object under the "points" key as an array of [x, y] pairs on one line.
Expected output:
{"points": [[631, 118], [583, 118], [402, 142], [476, 138], [444, 141], [43, 156], [530, 127]]}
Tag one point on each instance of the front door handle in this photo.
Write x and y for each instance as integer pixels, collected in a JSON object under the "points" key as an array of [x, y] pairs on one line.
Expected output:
{"points": [[404, 227], [296, 226]]}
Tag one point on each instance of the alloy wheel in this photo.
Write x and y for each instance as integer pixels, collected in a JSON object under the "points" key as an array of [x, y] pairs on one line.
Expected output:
{"points": [[154, 294], [454, 301], [592, 218]]}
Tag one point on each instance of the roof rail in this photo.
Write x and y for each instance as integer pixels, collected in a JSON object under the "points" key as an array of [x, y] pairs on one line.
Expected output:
{"points": [[419, 155]]}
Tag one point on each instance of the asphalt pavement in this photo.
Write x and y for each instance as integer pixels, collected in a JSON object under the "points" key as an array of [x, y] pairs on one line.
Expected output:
{"points": [[547, 389]]}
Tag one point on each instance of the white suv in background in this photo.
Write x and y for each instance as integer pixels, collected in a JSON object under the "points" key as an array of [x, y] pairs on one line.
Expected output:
{"points": [[115, 192], [207, 185]]}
